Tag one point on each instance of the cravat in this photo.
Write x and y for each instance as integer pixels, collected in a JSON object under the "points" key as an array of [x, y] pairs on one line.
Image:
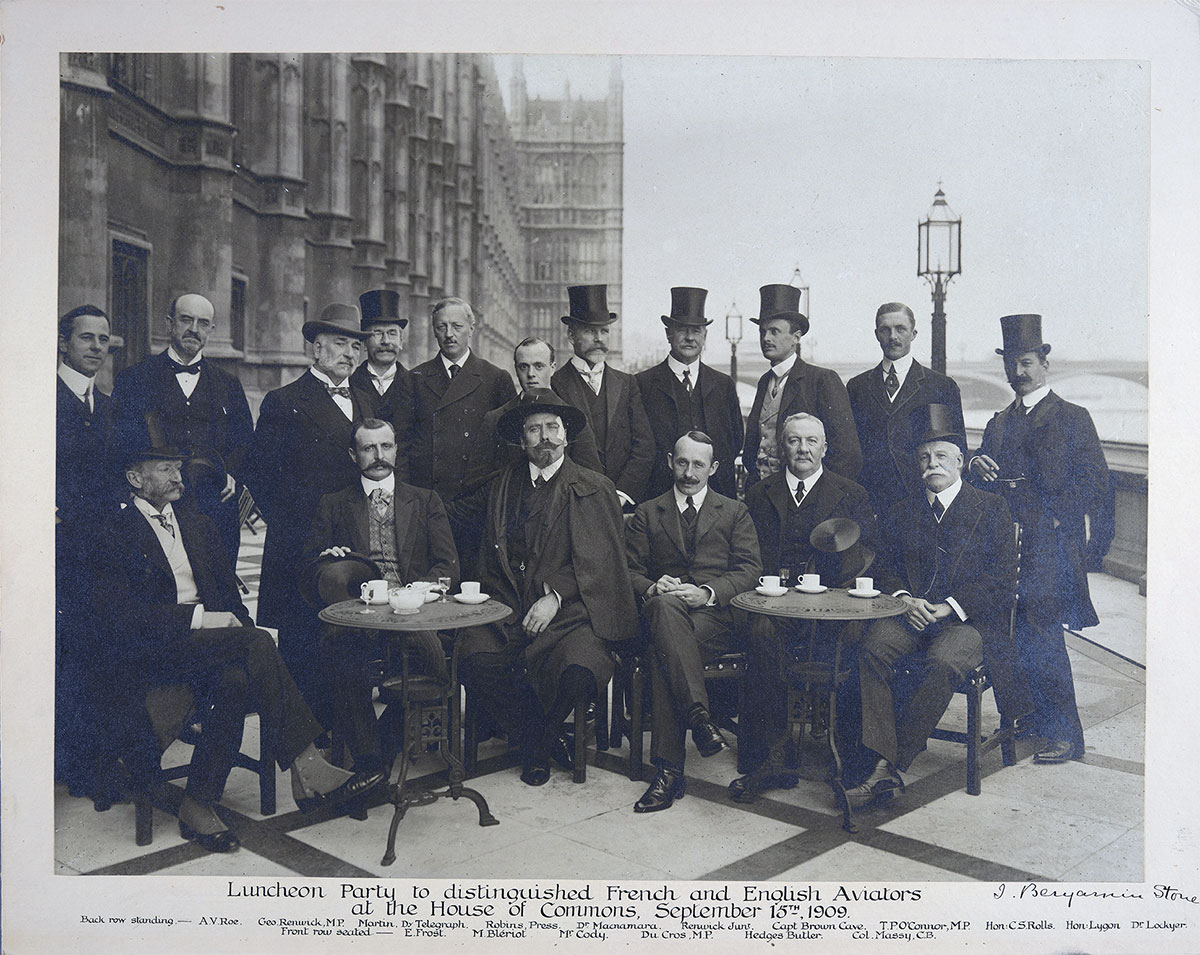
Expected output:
{"points": [[593, 378], [165, 522], [938, 509], [689, 512], [454, 370], [892, 382], [184, 369], [342, 392], [687, 380], [380, 499], [800, 492]]}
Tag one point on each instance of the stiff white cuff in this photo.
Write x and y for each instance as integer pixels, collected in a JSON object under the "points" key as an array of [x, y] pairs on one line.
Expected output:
{"points": [[197, 617], [957, 609]]}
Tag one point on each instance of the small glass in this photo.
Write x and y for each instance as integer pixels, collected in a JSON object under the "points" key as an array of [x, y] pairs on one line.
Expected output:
{"points": [[785, 577], [444, 586]]}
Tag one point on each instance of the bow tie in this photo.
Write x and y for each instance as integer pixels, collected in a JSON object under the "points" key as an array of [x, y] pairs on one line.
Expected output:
{"points": [[184, 369], [342, 392]]}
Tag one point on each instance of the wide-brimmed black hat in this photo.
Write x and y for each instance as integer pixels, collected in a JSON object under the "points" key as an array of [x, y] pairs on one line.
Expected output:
{"points": [[1022, 333], [781, 301], [934, 422], [588, 305], [203, 468], [381, 306], [687, 307], [534, 400], [337, 319], [326, 580], [160, 452]]}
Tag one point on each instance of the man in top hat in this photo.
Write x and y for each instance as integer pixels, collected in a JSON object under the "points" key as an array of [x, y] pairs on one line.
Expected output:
{"points": [[383, 376], [534, 362], [683, 394], [786, 508], [792, 386], [298, 455], [553, 551], [949, 554], [690, 552], [882, 400], [170, 614], [404, 531], [1043, 455], [181, 398], [610, 399]]}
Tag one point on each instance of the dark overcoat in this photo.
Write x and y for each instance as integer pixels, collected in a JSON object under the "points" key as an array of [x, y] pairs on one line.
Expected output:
{"points": [[394, 406], [84, 487]]}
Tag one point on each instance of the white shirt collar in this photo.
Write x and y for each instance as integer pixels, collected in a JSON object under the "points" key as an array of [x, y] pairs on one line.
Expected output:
{"points": [[382, 376], [174, 356], [79, 383], [148, 509], [809, 482], [697, 498], [446, 362], [387, 484], [946, 495], [902, 365], [678, 368], [582, 366], [548, 472], [326, 380], [785, 366], [1031, 400]]}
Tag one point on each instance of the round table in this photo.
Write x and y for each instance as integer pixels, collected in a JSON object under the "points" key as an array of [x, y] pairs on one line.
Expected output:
{"points": [[814, 672], [430, 705]]}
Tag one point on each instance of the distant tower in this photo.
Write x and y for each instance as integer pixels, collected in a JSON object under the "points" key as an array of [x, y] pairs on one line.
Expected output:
{"points": [[572, 171]]}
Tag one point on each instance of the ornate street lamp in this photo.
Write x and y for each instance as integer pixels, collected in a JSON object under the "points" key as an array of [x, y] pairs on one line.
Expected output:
{"points": [[797, 281], [939, 259], [733, 332]]}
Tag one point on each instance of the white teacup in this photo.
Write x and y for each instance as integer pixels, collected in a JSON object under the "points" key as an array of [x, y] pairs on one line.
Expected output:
{"points": [[374, 591], [810, 581], [470, 588], [863, 584], [769, 582]]}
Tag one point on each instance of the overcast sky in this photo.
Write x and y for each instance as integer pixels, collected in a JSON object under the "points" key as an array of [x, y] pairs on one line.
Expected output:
{"points": [[738, 169]]}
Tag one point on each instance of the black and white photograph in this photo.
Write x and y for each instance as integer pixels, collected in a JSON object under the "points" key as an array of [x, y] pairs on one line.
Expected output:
{"points": [[528, 490]]}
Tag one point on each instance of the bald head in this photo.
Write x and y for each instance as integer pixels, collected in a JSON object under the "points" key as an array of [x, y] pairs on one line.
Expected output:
{"points": [[189, 323]]}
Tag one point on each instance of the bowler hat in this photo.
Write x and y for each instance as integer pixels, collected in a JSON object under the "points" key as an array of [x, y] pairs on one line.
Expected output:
{"points": [[1022, 333], [156, 452], [539, 400], [381, 306], [337, 319], [687, 307], [328, 579], [589, 305], [934, 422], [781, 301]]}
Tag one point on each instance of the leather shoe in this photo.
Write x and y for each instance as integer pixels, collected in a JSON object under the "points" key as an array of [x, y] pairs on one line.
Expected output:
{"points": [[225, 840], [876, 788], [357, 785], [535, 773], [668, 785], [739, 791], [562, 750], [1058, 751], [705, 735]]}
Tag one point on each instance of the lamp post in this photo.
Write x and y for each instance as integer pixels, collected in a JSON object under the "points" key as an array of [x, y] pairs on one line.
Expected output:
{"points": [[797, 281], [733, 332], [939, 259]]}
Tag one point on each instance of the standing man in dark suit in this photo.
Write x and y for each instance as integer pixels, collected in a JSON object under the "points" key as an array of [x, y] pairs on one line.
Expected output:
{"points": [[950, 556], [170, 613], [610, 399], [383, 376], [785, 508], [1043, 455], [882, 400], [690, 552], [683, 394], [792, 386], [298, 455], [180, 398], [404, 530]]}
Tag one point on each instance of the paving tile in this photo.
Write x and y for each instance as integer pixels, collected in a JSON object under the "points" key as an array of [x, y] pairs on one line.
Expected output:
{"points": [[555, 855], [1122, 736], [1122, 860], [243, 862], [1092, 792], [853, 861], [85, 839]]}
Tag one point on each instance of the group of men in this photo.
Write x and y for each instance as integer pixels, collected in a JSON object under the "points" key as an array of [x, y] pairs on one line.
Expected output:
{"points": [[602, 507]]}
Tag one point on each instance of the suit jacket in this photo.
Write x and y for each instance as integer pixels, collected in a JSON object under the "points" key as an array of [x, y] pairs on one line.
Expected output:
{"points": [[816, 391], [446, 419], [393, 406], [145, 386], [424, 545], [300, 452], [725, 557], [975, 566], [770, 504], [84, 490], [1068, 478], [722, 415], [491, 454], [889, 472], [628, 451]]}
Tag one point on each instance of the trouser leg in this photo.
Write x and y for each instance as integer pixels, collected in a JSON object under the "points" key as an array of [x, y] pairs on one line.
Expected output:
{"points": [[301, 651], [1043, 649], [885, 642], [497, 679], [952, 651], [576, 688], [766, 698], [289, 722], [221, 733]]}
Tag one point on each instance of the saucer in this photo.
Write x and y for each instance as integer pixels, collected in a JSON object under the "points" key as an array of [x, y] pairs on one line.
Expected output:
{"points": [[770, 592], [864, 593], [819, 589], [465, 599], [406, 613], [431, 596]]}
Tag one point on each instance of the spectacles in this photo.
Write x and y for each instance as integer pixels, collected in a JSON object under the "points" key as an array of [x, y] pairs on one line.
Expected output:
{"points": [[391, 334]]}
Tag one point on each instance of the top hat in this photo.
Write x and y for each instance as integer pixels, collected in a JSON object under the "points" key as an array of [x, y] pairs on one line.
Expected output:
{"points": [[934, 422], [1022, 333], [156, 452], [589, 305], [336, 319], [381, 306], [781, 301], [534, 400], [687, 307], [203, 468], [328, 579]]}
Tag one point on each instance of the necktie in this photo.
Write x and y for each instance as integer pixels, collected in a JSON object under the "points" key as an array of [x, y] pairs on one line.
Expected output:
{"points": [[774, 385], [184, 369], [86, 398], [380, 499], [165, 522], [689, 512], [539, 481], [454, 370], [800, 492], [593, 378], [687, 380], [1021, 409], [342, 392], [892, 382], [938, 509]]}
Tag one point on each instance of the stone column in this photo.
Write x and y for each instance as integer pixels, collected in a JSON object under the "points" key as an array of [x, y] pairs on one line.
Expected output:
{"points": [[327, 79], [366, 168]]}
